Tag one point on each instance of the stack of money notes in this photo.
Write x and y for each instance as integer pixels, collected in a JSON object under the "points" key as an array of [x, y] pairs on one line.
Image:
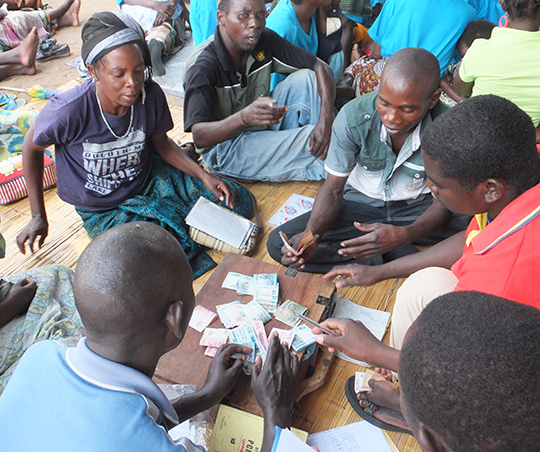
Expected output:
{"points": [[212, 339], [264, 287], [288, 312], [303, 337], [361, 380], [266, 290], [201, 318]]}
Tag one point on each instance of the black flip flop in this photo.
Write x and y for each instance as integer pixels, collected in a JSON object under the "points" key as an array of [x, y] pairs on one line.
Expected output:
{"points": [[368, 416]]}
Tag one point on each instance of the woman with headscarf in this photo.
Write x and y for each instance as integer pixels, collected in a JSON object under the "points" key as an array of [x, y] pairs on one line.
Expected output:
{"points": [[115, 162]]}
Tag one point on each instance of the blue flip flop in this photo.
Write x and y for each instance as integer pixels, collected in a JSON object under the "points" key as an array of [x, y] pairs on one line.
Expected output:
{"points": [[12, 104]]}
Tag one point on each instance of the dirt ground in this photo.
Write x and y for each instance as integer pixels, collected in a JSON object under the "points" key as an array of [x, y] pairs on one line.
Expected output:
{"points": [[55, 73]]}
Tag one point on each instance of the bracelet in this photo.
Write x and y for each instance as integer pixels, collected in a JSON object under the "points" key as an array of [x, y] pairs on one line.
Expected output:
{"points": [[242, 118]]}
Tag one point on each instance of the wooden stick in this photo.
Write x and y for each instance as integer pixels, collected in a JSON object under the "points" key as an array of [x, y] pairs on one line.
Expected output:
{"points": [[18, 90]]}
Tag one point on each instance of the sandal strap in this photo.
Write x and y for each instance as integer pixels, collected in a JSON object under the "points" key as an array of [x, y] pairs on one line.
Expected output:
{"points": [[371, 408]]}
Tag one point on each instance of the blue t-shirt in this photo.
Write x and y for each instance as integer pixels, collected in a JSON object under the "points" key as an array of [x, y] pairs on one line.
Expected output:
{"points": [[434, 25], [487, 9], [203, 19], [284, 22], [65, 400], [95, 170]]}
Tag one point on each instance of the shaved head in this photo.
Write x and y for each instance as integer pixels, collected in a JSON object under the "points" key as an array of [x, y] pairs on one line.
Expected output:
{"points": [[126, 280], [413, 66]]}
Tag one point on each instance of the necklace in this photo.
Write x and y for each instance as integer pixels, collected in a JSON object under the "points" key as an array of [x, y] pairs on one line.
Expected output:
{"points": [[107, 124]]}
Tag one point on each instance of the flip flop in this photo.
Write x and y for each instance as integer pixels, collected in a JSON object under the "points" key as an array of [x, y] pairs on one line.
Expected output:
{"points": [[4, 98], [368, 412], [13, 104]]}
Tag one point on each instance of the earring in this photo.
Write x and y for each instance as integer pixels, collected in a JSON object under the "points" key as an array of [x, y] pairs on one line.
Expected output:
{"points": [[505, 24]]}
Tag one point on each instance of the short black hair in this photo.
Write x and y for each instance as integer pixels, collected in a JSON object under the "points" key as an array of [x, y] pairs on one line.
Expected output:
{"points": [[469, 369], [518, 9], [124, 277], [415, 64], [476, 29], [225, 5], [485, 137]]}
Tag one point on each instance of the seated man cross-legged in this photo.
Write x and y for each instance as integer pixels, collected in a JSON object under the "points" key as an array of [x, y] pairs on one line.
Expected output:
{"points": [[134, 293], [241, 128], [375, 201], [481, 159]]}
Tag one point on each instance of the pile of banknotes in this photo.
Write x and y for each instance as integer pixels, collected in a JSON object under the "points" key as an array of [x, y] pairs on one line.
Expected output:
{"points": [[264, 287], [244, 323]]}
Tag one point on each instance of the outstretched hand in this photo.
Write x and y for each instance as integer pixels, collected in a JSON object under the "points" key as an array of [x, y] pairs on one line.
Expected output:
{"points": [[354, 275], [38, 226], [263, 112], [220, 189], [222, 373], [379, 238], [319, 140], [274, 383], [353, 339]]}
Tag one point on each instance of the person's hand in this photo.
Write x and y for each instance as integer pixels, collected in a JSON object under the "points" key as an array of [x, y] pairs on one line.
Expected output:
{"points": [[38, 226], [263, 112], [353, 339], [298, 262], [219, 188], [274, 383], [159, 20], [319, 140], [164, 9], [379, 238], [17, 300], [222, 375], [354, 275]]}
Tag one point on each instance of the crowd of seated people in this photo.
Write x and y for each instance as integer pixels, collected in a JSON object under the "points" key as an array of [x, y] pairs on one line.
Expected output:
{"points": [[400, 167]]}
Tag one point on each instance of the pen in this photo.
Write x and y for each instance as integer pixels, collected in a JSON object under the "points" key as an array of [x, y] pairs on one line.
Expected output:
{"points": [[318, 325]]}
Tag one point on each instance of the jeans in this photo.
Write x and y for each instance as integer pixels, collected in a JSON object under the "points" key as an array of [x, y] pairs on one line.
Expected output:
{"points": [[397, 213], [280, 153]]}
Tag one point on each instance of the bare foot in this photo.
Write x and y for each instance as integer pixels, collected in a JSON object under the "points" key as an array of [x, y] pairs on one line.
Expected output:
{"points": [[383, 393], [355, 53], [27, 51], [72, 15], [384, 372]]}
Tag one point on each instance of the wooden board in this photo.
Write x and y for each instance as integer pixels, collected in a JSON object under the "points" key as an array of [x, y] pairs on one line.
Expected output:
{"points": [[178, 365]]}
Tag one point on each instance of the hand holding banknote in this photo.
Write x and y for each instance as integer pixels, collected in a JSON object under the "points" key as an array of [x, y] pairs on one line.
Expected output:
{"points": [[298, 249], [223, 372]]}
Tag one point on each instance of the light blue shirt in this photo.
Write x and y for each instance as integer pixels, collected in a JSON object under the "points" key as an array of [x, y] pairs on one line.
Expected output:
{"points": [[434, 25], [65, 400], [487, 9], [203, 19], [284, 22]]}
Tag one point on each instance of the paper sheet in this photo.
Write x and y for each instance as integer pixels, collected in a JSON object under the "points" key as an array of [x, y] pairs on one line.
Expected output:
{"points": [[286, 441], [358, 437], [374, 320], [220, 223], [295, 206]]}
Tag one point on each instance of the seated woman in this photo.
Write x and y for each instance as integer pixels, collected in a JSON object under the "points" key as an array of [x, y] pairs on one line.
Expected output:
{"points": [[518, 77], [114, 160], [35, 305]]}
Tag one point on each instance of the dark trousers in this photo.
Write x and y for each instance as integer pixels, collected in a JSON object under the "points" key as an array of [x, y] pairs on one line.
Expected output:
{"points": [[397, 213]]}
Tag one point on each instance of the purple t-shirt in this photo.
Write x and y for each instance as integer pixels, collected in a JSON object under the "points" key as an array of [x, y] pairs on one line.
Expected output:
{"points": [[96, 170]]}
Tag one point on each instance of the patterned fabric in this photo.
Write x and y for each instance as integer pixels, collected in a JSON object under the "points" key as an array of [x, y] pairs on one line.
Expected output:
{"points": [[13, 128], [166, 201], [360, 8], [52, 315], [17, 25], [365, 74], [168, 35]]}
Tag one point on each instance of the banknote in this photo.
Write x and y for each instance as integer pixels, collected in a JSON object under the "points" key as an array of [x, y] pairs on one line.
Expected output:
{"points": [[228, 313], [260, 335], [285, 336], [269, 293], [211, 351], [364, 385], [214, 337], [303, 337], [288, 312], [201, 318], [241, 283], [265, 280], [269, 306], [252, 312], [244, 335]]}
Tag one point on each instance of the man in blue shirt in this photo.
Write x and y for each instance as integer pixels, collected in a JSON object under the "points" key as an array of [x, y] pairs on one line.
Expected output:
{"points": [[134, 294], [434, 25]]}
